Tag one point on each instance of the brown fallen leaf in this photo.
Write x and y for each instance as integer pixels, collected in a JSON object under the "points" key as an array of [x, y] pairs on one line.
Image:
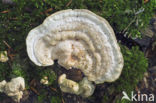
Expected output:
{"points": [[5, 11], [53, 89], [145, 1]]}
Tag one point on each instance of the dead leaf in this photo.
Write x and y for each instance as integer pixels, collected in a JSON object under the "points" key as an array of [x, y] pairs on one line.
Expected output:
{"points": [[5, 11], [53, 89], [145, 1]]}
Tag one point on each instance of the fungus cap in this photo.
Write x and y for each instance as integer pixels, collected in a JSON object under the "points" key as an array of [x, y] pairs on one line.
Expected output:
{"points": [[80, 39]]}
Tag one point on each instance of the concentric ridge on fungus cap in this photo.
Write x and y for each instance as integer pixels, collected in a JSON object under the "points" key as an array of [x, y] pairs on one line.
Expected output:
{"points": [[80, 39]]}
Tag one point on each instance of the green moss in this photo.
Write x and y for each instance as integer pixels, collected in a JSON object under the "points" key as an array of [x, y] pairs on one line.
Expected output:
{"points": [[135, 65], [50, 96], [123, 101], [55, 99], [4, 71], [105, 99], [48, 73], [41, 98], [17, 70]]}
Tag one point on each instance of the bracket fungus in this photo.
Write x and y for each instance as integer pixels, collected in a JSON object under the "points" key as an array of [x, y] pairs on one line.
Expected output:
{"points": [[77, 39], [14, 88]]}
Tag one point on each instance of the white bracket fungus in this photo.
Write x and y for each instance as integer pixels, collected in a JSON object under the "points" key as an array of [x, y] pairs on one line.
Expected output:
{"points": [[77, 39], [14, 88], [44, 80]]}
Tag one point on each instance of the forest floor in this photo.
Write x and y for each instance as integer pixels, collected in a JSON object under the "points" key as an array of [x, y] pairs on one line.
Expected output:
{"points": [[10, 24], [146, 86]]}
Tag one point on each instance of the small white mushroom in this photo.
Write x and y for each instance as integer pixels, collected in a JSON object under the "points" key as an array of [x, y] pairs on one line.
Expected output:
{"points": [[84, 88], [44, 80], [3, 56], [14, 88], [80, 39]]}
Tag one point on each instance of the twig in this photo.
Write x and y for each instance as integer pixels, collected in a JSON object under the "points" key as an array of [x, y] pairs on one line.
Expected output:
{"points": [[48, 10], [34, 90], [63, 100], [129, 25], [9, 50], [69, 3], [6, 44]]}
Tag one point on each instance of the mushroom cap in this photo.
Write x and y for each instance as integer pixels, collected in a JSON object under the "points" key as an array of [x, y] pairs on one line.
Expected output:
{"points": [[80, 39]]}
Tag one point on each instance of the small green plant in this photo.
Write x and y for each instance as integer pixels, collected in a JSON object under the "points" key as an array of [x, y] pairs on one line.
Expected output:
{"points": [[17, 70], [4, 71], [55, 99], [41, 98], [48, 73], [105, 99]]}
